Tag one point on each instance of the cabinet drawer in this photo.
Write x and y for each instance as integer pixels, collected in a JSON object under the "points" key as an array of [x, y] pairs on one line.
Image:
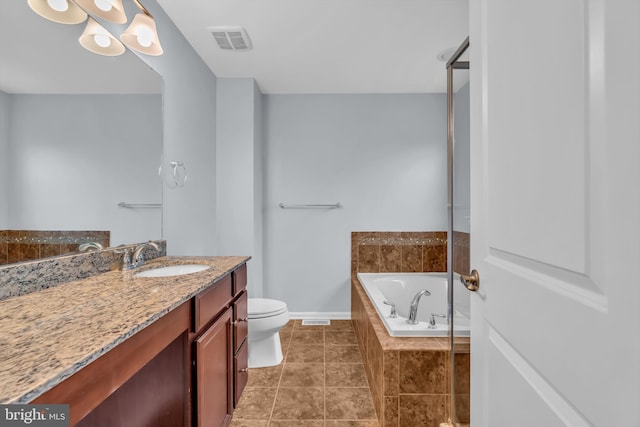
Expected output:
{"points": [[241, 372], [212, 301], [240, 321], [240, 279]]}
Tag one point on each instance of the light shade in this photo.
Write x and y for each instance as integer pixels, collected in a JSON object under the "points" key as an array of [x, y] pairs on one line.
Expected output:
{"points": [[142, 35], [98, 40], [110, 10], [60, 11]]}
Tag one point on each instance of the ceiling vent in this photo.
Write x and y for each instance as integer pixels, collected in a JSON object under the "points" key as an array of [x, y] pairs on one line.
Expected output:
{"points": [[231, 38]]}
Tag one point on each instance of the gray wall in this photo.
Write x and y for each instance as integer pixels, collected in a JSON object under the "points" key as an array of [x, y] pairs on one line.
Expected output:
{"points": [[4, 147], [382, 156], [72, 158], [239, 174]]}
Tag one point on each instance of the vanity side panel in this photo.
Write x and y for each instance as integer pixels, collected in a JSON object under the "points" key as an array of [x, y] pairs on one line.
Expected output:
{"points": [[91, 385]]}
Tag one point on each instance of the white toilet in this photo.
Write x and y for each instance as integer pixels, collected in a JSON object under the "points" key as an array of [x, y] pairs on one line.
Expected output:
{"points": [[266, 317]]}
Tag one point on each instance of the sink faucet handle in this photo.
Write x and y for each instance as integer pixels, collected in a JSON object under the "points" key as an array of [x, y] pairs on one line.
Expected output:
{"points": [[126, 259], [432, 320], [393, 313]]}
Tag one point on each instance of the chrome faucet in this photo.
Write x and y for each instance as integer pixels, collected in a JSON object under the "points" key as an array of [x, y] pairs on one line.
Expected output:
{"points": [[138, 254], [90, 246], [413, 308]]}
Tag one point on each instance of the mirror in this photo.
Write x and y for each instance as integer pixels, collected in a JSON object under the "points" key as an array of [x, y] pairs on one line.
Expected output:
{"points": [[79, 134]]}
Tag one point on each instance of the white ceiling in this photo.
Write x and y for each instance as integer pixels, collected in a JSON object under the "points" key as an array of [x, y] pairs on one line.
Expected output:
{"points": [[299, 46], [329, 46]]}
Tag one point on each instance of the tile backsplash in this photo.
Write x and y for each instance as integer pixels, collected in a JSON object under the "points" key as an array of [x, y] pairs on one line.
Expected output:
{"points": [[384, 251]]}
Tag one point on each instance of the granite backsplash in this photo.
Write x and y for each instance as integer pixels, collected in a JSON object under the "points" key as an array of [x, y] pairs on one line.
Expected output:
{"points": [[32, 276]]}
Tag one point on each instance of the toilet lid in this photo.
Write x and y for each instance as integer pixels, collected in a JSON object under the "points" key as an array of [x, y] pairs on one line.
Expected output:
{"points": [[263, 307]]}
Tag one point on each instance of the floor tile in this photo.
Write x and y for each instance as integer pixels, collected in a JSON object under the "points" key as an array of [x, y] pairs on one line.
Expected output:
{"points": [[265, 377], [320, 383], [339, 325], [248, 423], [349, 404], [345, 375], [305, 354], [255, 404], [296, 423], [302, 375], [343, 423], [340, 338], [342, 354], [299, 404], [304, 337]]}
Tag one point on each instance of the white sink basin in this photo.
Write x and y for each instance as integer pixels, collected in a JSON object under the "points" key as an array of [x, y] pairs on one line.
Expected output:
{"points": [[172, 270]]}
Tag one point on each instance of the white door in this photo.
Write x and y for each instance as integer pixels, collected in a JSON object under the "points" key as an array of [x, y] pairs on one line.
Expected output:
{"points": [[555, 212]]}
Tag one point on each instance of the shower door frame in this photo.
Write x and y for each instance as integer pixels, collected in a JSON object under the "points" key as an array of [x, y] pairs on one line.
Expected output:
{"points": [[454, 63]]}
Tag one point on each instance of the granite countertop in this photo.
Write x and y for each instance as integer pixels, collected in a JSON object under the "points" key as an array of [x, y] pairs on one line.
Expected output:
{"points": [[47, 336]]}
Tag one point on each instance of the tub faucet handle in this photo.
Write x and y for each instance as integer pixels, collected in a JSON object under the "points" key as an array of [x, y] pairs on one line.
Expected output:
{"points": [[432, 321], [393, 313]]}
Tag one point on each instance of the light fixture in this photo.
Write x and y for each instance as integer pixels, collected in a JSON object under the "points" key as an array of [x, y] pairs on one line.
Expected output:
{"points": [[142, 35], [60, 11], [97, 39], [110, 10]]}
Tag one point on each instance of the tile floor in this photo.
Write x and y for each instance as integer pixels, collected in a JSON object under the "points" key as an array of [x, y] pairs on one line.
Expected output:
{"points": [[320, 383]]}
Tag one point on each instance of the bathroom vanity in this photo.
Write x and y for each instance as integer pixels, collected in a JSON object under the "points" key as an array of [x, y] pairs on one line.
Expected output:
{"points": [[127, 350]]}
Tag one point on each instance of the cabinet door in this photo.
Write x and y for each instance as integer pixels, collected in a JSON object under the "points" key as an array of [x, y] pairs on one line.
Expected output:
{"points": [[214, 373]]}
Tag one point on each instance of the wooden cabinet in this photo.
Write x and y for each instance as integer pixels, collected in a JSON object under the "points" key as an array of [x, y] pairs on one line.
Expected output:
{"points": [[214, 373], [187, 368], [221, 358]]}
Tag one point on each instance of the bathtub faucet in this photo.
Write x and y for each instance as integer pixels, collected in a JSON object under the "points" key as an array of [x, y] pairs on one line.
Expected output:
{"points": [[413, 308]]}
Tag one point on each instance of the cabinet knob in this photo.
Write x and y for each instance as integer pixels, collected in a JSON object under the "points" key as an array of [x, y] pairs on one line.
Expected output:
{"points": [[243, 370], [241, 320]]}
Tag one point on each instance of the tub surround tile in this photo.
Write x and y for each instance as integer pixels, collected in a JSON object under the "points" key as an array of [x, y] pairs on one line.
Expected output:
{"points": [[411, 258], [391, 411], [47, 336], [369, 258], [408, 376], [434, 259], [390, 258], [390, 370], [423, 372], [422, 410]]}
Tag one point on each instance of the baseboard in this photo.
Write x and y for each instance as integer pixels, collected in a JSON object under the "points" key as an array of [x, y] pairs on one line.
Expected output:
{"points": [[331, 315]]}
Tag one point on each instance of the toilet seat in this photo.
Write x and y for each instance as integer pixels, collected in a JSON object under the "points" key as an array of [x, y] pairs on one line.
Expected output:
{"points": [[259, 308]]}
